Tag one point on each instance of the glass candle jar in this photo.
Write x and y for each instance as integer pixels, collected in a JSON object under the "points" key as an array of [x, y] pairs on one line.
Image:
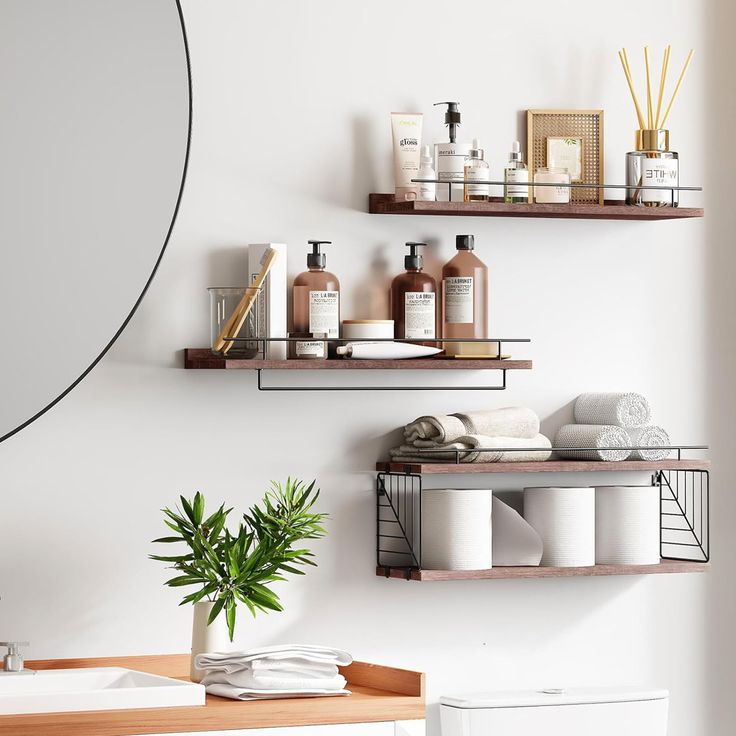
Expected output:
{"points": [[227, 321], [551, 194]]}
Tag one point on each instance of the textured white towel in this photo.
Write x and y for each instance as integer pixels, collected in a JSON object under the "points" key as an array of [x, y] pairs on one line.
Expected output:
{"points": [[471, 443], [617, 409], [651, 436], [248, 680], [237, 693], [593, 435], [513, 421], [292, 654]]}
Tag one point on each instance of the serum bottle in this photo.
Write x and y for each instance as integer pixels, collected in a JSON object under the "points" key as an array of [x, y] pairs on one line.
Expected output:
{"points": [[426, 192], [316, 297], [515, 177], [414, 299], [476, 169]]}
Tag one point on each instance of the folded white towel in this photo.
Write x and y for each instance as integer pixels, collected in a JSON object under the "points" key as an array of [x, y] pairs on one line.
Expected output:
{"points": [[297, 668], [616, 409], [238, 693], [470, 445], [513, 421], [651, 436], [291, 654], [593, 435], [248, 680]]}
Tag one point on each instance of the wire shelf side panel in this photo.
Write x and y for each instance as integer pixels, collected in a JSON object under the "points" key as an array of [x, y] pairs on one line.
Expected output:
{"points": [[398, 520], [684, 514]]}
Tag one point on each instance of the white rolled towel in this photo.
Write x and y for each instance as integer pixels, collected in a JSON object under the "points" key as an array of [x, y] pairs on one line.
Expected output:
{"points": [[617, 409], [651, 436], [512, 421], [479, 449], [593, 436]]}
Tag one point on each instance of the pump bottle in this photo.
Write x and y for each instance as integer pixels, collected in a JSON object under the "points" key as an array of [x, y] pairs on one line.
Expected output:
{"points": [[316, 297], [426, 191], [414, 299], [464, 297], [450, 158]]}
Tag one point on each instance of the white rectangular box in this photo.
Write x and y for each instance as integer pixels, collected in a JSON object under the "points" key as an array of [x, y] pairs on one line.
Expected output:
{"points": [[271, 303]]}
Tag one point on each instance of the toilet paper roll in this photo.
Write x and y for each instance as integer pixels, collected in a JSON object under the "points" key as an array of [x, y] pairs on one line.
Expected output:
{"points": [[515, 542], [565, 520], [627, 525], [456, 529]]}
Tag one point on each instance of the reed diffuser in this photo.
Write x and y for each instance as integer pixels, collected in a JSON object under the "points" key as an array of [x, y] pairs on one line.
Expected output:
{"points": [[652, 164]]}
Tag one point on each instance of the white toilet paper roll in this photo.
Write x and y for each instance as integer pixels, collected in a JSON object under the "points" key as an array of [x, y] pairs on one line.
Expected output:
{"points": [[565, 520], [627, 525], [456, 529]]}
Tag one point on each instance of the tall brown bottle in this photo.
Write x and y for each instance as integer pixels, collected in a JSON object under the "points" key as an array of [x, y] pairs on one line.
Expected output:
{"points": [[414, 299], [464, 297], [316, 297]]}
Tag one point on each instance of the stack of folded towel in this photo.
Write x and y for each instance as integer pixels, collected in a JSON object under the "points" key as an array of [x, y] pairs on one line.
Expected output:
{"points": [[482, 436], [289, 671], [613, 420]]}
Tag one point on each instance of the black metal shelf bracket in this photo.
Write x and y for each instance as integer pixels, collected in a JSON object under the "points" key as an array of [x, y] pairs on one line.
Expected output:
{"points": [[684, 512]]}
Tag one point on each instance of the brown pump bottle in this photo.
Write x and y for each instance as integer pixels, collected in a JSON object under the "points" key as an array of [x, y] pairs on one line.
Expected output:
{"points": [[414, 299], [464, 296]]}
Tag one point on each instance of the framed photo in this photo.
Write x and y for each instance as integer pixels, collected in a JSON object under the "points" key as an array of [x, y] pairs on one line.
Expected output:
{"points": [[566, 153], [572, 139]]}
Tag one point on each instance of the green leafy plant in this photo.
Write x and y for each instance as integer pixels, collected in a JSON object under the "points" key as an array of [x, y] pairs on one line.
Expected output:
{"points": [[240, 566]]}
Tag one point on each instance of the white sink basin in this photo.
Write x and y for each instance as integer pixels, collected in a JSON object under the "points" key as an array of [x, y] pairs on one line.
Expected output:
{"points": [[95, 688]]}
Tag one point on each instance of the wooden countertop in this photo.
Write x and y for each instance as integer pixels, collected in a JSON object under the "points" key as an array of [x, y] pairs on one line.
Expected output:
{"points": [[379, 694]]}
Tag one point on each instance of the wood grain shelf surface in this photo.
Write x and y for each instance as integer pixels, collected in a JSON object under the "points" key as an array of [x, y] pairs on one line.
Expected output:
{"points": [[548, 466], [202, 358], [385, 204], [505, 573], [379, 694]]}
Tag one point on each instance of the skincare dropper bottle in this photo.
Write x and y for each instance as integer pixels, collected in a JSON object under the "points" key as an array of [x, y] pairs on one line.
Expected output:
{"points": [[464, 297], [414, 299], [476, 169], [652, 164], [426, 192], [316, 297], [450, 158], [515, 177]]}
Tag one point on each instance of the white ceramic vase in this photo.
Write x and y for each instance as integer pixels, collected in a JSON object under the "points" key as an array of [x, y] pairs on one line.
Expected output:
{"points": [[212, 638]]}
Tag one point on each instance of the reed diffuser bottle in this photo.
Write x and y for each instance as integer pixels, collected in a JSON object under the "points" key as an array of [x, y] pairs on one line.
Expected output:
{"points": [[652, 170]]}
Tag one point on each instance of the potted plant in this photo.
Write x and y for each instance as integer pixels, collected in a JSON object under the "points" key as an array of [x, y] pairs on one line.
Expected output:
{"points": [[239, 566]]}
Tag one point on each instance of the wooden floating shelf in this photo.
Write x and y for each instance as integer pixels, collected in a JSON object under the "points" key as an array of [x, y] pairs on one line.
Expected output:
{"points": [[614, 209], [503, 573], [202, 358], [547, 466]]}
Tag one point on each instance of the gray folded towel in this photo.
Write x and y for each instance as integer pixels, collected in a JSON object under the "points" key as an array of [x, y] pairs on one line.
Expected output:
{"points": [[513, 421], [478, 449], [651, 436], [616, 409], [593, 435]]}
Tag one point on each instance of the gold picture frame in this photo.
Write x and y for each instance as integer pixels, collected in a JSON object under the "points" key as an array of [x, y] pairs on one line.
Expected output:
{"points": [[586, 125]]}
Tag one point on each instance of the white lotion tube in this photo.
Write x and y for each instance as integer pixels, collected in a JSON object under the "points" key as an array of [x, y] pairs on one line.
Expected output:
{"points": [[407, 133], [385, 350]]}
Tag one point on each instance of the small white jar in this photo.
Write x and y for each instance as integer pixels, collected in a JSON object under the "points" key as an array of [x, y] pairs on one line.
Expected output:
{"points": [[552, 195], [368, 329]]}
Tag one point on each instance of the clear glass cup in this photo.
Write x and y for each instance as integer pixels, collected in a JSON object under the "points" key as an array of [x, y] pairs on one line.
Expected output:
{"points": [[552, 195], [225, 324]]}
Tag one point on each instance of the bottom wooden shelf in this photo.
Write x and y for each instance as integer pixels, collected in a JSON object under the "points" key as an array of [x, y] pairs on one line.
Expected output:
{"points": [[495, 573]]}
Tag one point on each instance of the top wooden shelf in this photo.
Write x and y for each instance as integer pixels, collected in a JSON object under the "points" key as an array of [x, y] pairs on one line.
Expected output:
{"points": [[615, 209]]}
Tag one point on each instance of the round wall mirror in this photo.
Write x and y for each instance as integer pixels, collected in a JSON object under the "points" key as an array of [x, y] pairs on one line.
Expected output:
{"points": [[94, 139]]}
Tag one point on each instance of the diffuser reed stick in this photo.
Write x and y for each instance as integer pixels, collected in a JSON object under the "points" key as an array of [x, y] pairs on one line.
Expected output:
{"points": [[650, 121], [662, 80], [627, 73], [677, 86]]}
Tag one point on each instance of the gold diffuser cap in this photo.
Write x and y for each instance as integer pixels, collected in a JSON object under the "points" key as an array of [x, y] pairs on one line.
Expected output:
{"points": [[652, 140]]}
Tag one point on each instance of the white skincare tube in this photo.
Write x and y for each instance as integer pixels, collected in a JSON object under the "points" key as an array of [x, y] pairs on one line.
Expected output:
{"points": [[407, 133], [385, 350]]}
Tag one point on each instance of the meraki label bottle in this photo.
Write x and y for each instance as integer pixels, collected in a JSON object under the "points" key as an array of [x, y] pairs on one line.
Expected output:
{"points": [[414, 299]]}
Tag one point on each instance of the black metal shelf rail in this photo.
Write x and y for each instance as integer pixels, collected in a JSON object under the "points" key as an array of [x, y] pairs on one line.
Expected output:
{"points": [[570, 185], [496, 341], [684, 515]]}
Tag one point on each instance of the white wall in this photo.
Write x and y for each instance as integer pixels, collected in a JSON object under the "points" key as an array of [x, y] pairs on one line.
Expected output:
{"points": [[291, 133]]}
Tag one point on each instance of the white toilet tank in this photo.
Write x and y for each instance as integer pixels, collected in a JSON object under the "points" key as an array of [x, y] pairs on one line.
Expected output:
{"points": [[569, 712]]}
